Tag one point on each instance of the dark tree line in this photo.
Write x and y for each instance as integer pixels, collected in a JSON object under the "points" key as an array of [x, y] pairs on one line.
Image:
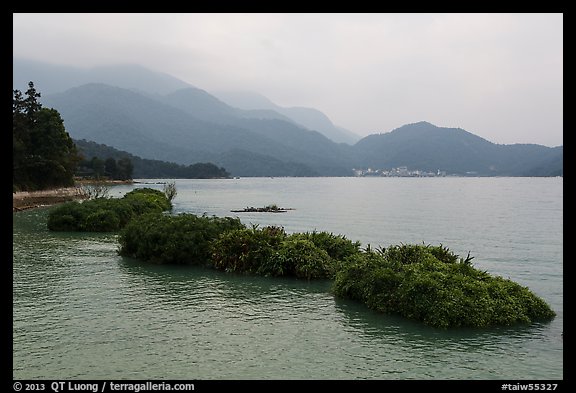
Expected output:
{"points": [[110, 168], [146, 168], [44, 155]]}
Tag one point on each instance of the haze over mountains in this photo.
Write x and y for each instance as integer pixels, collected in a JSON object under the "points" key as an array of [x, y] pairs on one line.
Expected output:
{"points": [[156, 116], [50, 78], [309, 117]]}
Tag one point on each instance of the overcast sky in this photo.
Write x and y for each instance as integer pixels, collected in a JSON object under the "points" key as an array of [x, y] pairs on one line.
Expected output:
{"points": [[499, 76]]}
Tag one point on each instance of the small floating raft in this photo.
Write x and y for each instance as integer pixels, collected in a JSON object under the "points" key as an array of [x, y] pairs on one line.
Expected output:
{"points": [[267, 209]]}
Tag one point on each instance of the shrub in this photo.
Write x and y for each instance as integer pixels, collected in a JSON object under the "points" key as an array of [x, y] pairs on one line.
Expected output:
{"points": [[270, 252], [433, 285], [337, 246], [181, 239], [106, 214], [147, 199], [102, 221], [303, 259], [248, 250], [68, 216], [422, 282]]}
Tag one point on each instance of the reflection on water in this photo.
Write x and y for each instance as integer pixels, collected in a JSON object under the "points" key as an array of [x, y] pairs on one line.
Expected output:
{"points": [[81, 311]]}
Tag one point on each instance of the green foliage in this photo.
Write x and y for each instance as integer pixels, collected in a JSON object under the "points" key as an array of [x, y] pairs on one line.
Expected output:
{"points": [[43, 153], [144, 199], [181, 239], [106, 215], [110, 168], [270, 252], [337, 246], [433, 285], [303, 259], [67, 217], [98, 166], [102, 221], [249, 250], [421, 282], [95, 215]]}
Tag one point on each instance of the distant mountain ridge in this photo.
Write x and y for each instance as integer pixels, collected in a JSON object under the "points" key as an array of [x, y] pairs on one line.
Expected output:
{"points": [[310, 118], [52, 78], [204, 106], [153, 129], [427, 147], [186, 125]]}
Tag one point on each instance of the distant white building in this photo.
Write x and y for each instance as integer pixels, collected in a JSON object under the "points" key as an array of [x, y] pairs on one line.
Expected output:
{"points": [[401, 171]]}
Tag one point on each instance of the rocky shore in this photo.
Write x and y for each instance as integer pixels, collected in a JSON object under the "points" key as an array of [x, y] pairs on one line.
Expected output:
{"points": [[27, 200]]}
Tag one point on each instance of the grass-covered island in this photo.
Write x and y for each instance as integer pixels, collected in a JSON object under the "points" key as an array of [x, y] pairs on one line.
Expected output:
{"points": [[421, 282], [107, 214]]}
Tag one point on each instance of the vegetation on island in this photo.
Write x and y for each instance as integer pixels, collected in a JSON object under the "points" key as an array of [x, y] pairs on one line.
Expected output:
{"points": [[266, 209], [426, 283], [269, 251], [173, 239], [107, 214], [433, 285], [421, 282]]}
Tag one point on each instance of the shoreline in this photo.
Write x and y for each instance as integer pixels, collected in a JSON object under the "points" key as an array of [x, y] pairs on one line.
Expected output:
{"points": [[24, 200]]}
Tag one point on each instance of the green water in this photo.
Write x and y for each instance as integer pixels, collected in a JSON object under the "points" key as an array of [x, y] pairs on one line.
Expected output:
{"points": [[82, 312]]}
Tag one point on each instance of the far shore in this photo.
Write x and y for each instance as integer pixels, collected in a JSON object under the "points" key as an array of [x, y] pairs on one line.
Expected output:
{"points": [[24, 200]]}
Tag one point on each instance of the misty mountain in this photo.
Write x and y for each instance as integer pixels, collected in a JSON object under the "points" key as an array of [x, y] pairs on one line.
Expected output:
{"points": [[427, 147], [152, 129], [265, 122], [205, 106], [53, 78], [156, 116], [310, 118], [550, 165]]}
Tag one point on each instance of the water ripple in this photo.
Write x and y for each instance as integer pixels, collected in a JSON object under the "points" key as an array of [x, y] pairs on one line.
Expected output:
{"points": [[82, 312]]}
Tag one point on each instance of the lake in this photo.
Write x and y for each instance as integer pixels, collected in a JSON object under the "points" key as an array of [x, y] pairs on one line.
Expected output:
{"points": [[80, 311]]}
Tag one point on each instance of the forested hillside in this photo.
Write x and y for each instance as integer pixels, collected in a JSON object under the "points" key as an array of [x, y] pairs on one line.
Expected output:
{"points": [[151, 169]]}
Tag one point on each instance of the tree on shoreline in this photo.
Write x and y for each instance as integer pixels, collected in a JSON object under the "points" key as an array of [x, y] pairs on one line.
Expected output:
{"points": [[110, 168], [44, 155]]}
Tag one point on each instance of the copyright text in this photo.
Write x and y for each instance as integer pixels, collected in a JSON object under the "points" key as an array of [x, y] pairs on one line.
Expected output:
{"points": [[101, 386]]}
